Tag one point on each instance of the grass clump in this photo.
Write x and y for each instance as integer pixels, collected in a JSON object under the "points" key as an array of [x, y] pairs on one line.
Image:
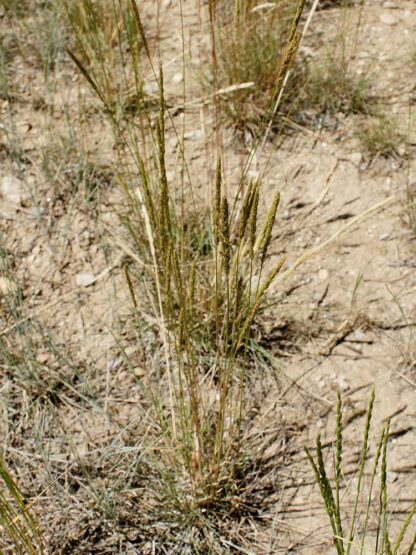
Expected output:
{"points": [[347, 529], [335, 83], [206, 302], [249, 52], [334, 86], [108, 47], [380, 136], [253, 46], [203, 270]]}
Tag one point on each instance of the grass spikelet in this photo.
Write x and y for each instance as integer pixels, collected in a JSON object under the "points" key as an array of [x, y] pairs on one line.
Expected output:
{"points": [[326, 492], [412, 546], [287, 62], [253, 221], [373, 476], [245, 211], [266, 233], [164, 218], [382, 520], [217, 202], [382, 542], [270, 278], [338, 462], [88, 77], [296, 20], [225, 235], [361, 469], [403, 530], [239, 290], [328, 497], [148, 200], [140, 27]]}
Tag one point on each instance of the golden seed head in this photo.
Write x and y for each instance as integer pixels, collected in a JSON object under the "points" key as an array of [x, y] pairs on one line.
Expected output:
{"points": [[225, 235], [253, 221], [245, 211], [217, 202], [267, 230]]}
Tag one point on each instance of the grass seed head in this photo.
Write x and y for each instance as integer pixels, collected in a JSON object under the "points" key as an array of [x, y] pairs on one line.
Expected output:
{"points": [[266, 233], [253, 221], [217, 202], [225, 235], [245, 211]]}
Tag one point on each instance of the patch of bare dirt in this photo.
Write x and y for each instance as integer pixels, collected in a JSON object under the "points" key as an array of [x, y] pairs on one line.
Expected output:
{"points": [[74, 421]]}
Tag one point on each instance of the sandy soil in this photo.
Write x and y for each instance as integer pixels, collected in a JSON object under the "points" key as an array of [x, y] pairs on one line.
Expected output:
{"points": [[72, 424]]}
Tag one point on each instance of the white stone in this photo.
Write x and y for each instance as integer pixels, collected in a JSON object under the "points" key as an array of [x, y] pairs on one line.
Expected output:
{"points": [[150, 88], [12, 190], [343, 384], [359, 335], [114, 364], [84, 279], [193, 135], [391, 476], [177, 78], [356, 157], [388, 18], [323, 274]]}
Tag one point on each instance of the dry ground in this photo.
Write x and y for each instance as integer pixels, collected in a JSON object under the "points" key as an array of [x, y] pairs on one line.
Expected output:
{"points": [[73, 426]]}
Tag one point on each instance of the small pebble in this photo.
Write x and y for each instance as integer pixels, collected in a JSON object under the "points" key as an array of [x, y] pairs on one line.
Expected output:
{"points": [[356, 157], [323, 274], [177, 78], [84, 279], [114, 363], [150, 88], [388, 18], [12, 190], [359, 335], [391, 476], [192, 135], [343, 384]]}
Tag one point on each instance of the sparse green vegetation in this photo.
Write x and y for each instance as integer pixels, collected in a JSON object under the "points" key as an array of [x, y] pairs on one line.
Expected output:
{"points": [[380, 136], [205, 301], [161, 363], [254, 46], [334, 87], [108, 47], [250, 51], [335, 82]]}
